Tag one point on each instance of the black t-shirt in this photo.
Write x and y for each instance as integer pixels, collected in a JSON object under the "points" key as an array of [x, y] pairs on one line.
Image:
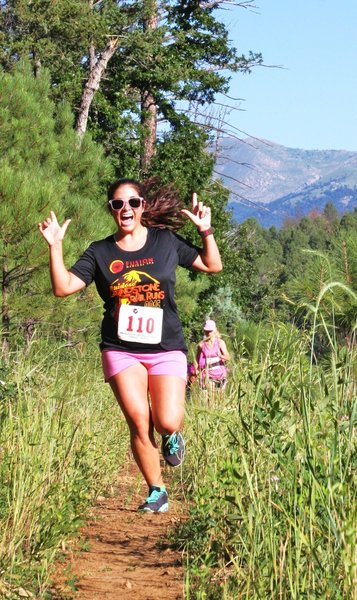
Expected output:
{"points": [[145, 277]]}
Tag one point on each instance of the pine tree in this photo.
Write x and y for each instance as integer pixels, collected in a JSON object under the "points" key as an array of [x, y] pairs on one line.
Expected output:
{"points": [[127, 67], [41, 169]]}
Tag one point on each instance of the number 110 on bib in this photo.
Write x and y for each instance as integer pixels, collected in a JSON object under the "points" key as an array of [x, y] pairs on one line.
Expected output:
{"points": [[140, 324]]}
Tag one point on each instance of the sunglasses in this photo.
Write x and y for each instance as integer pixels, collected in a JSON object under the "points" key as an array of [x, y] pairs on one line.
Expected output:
{"points": [[117, 204]]}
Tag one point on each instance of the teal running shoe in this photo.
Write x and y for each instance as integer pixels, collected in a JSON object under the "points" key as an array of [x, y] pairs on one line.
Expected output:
{"points": [[173, 449], [156, 502]]}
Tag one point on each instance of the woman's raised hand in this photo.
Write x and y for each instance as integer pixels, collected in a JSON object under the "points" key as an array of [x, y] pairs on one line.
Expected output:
{"points": [[200, 214], [52, 231]]}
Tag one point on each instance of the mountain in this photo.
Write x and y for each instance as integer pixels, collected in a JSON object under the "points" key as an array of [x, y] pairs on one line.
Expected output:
{"points": [[273, 183]]}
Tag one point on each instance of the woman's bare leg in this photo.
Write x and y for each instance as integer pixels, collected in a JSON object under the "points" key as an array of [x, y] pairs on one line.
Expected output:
{"points": [[167, 393], [130, 388]]}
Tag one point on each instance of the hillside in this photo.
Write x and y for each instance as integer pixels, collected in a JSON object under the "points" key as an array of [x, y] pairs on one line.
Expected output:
{"points": [[272, 183]]}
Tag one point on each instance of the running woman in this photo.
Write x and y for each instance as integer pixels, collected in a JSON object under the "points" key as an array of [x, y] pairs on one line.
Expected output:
{"points": [[212, 355], [142, 344]]}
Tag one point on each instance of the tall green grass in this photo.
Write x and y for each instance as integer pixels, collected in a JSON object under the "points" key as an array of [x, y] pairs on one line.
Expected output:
{"points": [[62, 440], [271, 476]]}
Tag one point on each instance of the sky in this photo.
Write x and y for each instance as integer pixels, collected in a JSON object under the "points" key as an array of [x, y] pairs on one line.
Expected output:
{"points": [[311, 101]]}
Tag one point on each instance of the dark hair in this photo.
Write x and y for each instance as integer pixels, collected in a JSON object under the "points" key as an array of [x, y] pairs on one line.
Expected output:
{"points": [[125, 181], [163, 204]]}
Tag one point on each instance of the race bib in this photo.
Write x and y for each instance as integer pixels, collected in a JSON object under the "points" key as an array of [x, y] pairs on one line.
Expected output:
{"points": [[212, 362], [141, 324]]}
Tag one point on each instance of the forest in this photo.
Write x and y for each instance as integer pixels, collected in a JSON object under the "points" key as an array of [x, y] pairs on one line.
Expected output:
{"points": [[96, 90]]}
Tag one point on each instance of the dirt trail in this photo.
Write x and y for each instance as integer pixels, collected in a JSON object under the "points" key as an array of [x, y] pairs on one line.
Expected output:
{"points": [[126, 553]]}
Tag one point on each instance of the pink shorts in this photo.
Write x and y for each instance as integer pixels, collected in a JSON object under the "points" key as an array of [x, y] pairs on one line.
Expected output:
{"points": [[173, 362]]}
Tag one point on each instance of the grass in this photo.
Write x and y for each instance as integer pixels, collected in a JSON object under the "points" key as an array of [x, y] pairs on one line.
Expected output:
{"points": [[62, 441], [269, 475], [270, 478]]}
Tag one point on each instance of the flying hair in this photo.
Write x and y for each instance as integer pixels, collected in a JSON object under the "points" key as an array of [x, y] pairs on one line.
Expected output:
{"points": [[162, 202]]}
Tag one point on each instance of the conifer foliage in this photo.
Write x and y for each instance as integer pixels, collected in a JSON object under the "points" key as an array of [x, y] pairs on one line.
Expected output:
{"points": [[127, 68], [41, 169]]}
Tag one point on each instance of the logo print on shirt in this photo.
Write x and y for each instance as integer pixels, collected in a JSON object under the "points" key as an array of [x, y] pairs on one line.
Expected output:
{"points": [[131, 289], [116, 266]]}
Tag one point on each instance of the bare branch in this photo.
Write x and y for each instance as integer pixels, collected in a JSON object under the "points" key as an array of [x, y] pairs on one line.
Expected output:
{"points": [[234, 179], [247, 5], [246, 201], [92, 85]]}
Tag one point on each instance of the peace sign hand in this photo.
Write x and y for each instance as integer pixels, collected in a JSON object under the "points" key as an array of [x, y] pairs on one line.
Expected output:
{"points": [[200, 214], [52, 231]]}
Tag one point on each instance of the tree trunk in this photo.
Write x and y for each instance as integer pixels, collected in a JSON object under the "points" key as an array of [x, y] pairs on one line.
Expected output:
{"points": [[148, 104], [149, 122], [93, 83], [37, 65]]}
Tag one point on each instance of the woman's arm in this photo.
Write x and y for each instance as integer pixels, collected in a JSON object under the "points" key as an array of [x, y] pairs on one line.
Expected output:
{"points": [[209, 259], [198, 355], [224, 354], [64, 283]]}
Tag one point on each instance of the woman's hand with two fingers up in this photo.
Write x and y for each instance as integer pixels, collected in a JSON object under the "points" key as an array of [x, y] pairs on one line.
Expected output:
{"points": [[63, 281], [200, 214], [209, 259], [52, 231]]}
